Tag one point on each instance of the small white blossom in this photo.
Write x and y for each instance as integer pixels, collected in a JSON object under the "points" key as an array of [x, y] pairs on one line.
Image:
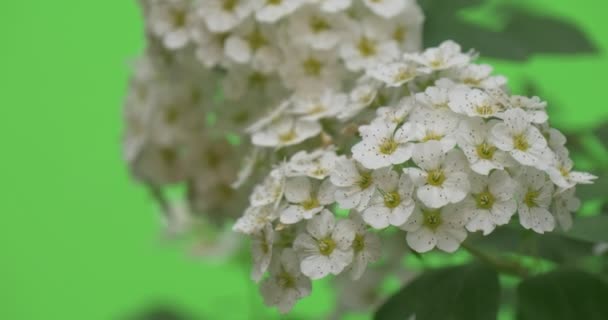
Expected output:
{"points": [[432, 125], [386, 8], [447, 55], [273, 10], [326, 246], [429, 228], [317, 29], [478, 76], [286, 284], [355, 184], [327, 105], [473, 139], [270, 191], [318, 164], [562, 175], [223, 15], [255, 218], [393, 204], [393, 74], [261, 250], [398, 113], [534, 107], [286, 131], [521, 140], [474, 103], [366, 246], [306, 197], [368, 46], [441, 178], [491, 202], [333, 5], [564, 204], [534, 199], [382, 146], [250, 43]]}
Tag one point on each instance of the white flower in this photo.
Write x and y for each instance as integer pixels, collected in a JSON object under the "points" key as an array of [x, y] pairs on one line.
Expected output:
{"points": [[369, 46], [310, 72], [270, 191], [393, 74], [272, 10], [478, 76], [521, 140], [366, 246], [429, 228], [286, 284], [441, 178], [447, 55], [432, 125], [534, 107], [223, 15], [333, 5], [327, 105], [396, 114], [394, 203], [359, 98], [434, 97], [491, 203], [534, 198], [286, 131], [564, 204], [255, 218], [473, 140], [306, 197], [171, 22], [355, 184], [474, 103], [209, 47], [316, 29], [386, 8], [562, 175], [326, 247], [252, 43], [318, 164], [381, 146], [261, 250]]}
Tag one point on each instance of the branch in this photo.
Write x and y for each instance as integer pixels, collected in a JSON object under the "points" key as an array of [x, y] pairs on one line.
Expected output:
{"points": [[504, 266]]}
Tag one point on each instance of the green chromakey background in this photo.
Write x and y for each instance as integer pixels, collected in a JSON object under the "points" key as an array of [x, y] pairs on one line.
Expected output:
{"points": [[80, 240]]}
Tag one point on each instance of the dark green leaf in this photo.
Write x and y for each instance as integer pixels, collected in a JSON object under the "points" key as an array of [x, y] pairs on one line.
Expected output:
{"points": [[593, 229], [565, 294], [555, 247], [469, 292]]}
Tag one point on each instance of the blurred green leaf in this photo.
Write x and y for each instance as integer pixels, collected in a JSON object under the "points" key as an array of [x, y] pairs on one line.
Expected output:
{"points": [[593, 229], [555, 247], [562, 294], [525, 33], [468, 292]]}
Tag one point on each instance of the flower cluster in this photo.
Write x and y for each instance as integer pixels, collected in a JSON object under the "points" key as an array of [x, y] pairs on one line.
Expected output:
{"points": [[211, 67], [443, 150]]}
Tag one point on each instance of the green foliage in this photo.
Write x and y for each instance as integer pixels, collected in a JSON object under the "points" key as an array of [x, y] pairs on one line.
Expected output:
{"points": [[564, 294], [593, 229], [468, 292]]}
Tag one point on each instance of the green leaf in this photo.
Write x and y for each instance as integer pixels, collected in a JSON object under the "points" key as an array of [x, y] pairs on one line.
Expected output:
{"points": [[563, 294], [467, 292], [555, 247], [593, 229]]}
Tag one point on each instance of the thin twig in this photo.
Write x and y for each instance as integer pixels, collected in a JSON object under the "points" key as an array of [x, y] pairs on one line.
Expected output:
{"points": [[504, 266]]}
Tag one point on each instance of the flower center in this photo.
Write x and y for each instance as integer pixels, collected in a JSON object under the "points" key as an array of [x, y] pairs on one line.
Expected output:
{"points": [[179, 18], [257, 79], [399, 34], [435, 177], [318, 24], [388, 146], [229, 5], [432, 218], [403, 75], [367, 47], [287, 136], [286, 280], [564, 171], [520, 142], [168, 155], [310, 204], [365, 180], [317, 108], [312, 67], [359, 243], [530, 198], [256, 40], [326, 246], [436, 63], [392, 199], [484, 110], [485, 150], [274, 2], [484, 200], [432, 135]]}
